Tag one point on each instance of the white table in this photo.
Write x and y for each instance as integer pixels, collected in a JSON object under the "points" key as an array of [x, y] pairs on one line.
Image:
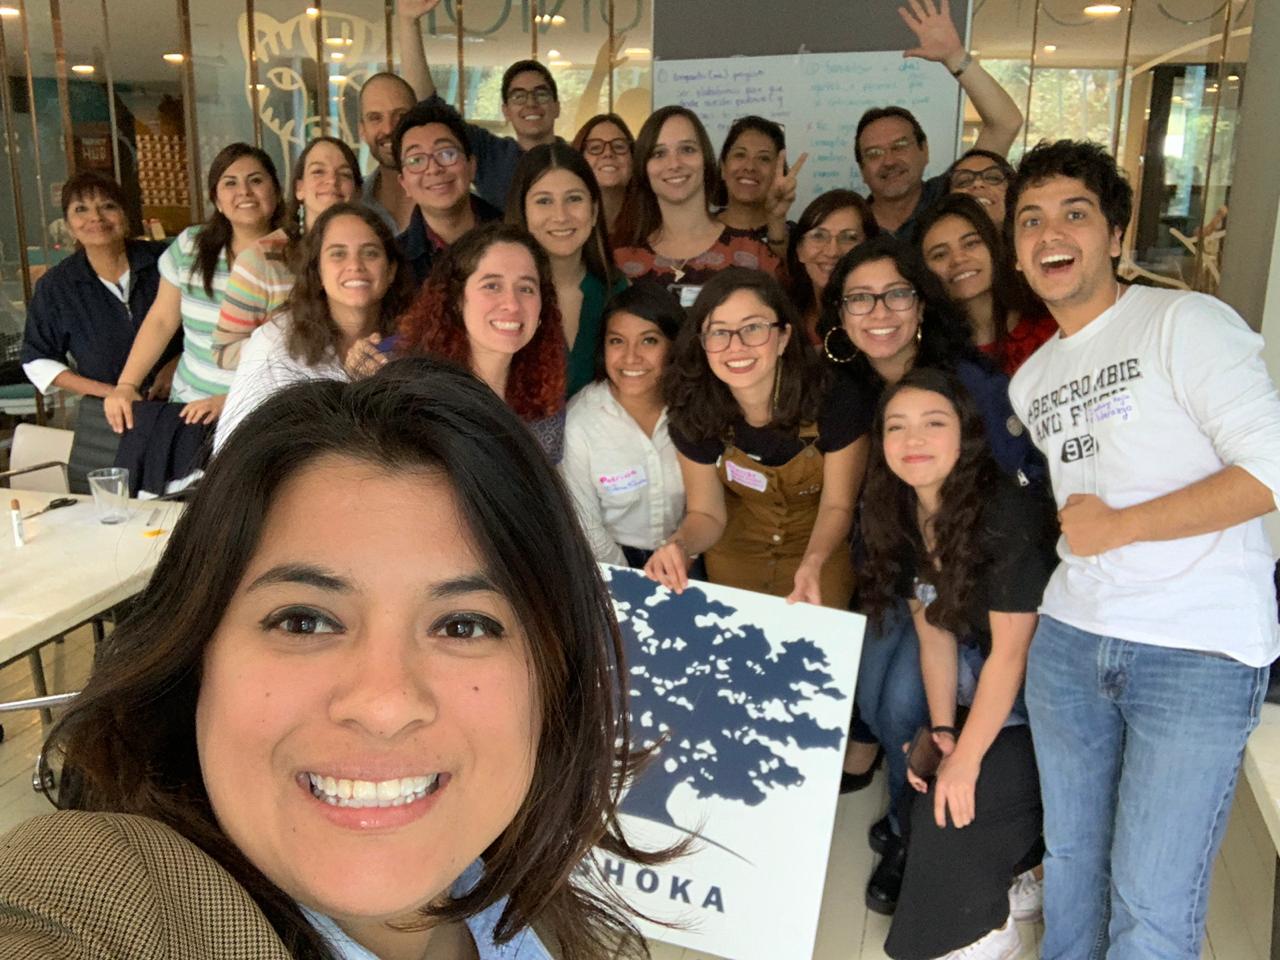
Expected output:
{"points": [[72, 567]]}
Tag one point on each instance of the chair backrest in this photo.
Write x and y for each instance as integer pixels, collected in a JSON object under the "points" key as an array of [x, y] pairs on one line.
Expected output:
{"points": [[32, 445]]}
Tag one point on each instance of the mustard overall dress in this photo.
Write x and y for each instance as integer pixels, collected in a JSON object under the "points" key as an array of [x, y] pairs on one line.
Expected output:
{"points": [[771, 512]]}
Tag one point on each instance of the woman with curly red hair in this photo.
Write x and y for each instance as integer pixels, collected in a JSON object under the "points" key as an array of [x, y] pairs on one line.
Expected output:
{"points": [[490, 306]]}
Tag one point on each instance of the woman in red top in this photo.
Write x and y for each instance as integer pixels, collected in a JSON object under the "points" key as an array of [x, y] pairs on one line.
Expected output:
{"points": [[961, 246]]}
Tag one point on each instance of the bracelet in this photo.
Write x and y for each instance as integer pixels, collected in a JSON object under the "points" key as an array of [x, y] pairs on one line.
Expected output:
{"points": [[955, 734], [965, 63], [126, 383]]}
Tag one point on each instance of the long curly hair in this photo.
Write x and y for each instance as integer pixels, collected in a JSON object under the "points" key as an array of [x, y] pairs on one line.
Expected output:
{"points": [[700, 404], [312, 334], [433, 324], [891, 531]]}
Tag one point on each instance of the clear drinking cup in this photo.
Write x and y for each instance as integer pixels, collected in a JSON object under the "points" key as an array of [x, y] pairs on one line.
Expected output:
{"points": [[110, 489]]}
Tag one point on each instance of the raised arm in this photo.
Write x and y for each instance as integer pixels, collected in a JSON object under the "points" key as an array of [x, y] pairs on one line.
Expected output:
{"points": [[938, 40], [589, 102], [413, 54], [703, 525]]}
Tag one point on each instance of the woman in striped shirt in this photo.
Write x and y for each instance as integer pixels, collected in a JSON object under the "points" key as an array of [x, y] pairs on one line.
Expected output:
{"points": [[326, 173], [245, 193]]}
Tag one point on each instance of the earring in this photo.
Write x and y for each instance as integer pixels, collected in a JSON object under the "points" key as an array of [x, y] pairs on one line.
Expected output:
{"points": [[826, 347], [919, 333], [777, 386]]}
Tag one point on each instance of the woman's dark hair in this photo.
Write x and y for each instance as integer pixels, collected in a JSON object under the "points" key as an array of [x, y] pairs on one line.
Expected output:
{"points": [[761, 125], [891, 531], [293, 206], [433, 324], [311, 334], [944, 332], [536, 162], [700, 404], [131, 734], [89, 183], [1009, 291], [1082, 160], [580, 138], [996, 159], [819, 208], [648, 301], [214, 238], [641, 216]]}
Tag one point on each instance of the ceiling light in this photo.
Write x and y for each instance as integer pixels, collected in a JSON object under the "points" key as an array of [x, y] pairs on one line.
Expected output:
{"points": [[1049, 47], [639, 53], [313, 11], [553, 54], [9, 12], [85, 68], [337, 56], [1177, 100], [557, 20], [338, 78], [174, 58], [1233, 78], [258, 86], [1102, 9], [338, 41]]}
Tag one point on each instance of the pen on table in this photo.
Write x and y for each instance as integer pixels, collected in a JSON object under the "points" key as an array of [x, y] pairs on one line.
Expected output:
{"points": [[15, 517], [155, 515]]}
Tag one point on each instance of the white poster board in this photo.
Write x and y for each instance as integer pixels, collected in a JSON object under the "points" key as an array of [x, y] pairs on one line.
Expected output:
{"points": [[752, 698], [818, 98]]}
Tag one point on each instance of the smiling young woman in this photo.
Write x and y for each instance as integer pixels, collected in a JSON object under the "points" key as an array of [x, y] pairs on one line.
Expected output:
{"points": [[392, 731]]}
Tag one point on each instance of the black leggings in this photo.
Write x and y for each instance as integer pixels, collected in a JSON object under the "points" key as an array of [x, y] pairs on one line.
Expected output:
{"points": [[956, 886]]}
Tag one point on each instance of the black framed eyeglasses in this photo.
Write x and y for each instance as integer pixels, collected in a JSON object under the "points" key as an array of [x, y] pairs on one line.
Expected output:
{"points": [[897, 299], [991, 176], [538, 95], [418, 162], [757, 334], [596, 147]]}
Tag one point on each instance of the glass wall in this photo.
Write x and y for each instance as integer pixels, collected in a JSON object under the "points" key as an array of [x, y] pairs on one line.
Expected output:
{"points": [[1160, 83]]}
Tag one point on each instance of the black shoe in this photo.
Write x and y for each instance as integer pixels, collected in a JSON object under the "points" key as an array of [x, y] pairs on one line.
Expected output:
{"points": [[880, 835], [886, 881], [853, 782]]}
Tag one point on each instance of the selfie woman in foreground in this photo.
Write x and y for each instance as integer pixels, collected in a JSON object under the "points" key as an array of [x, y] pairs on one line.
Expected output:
{"points": [[970, 551], [383, 727]]}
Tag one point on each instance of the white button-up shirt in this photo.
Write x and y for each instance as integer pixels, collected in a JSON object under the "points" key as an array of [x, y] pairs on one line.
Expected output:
{"points": [[626, 485]]}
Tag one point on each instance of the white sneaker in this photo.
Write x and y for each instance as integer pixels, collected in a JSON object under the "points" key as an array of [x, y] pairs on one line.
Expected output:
{"points": [[1026, 898], [1002, 944]]}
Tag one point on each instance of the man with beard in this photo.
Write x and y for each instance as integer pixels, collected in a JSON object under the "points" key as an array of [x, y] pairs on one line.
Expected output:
{"points": [[384, 99], [890, 145], [530, 102]]}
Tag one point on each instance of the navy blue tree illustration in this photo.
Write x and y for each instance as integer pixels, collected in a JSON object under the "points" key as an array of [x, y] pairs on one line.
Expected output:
{"points": [[717, 698]]}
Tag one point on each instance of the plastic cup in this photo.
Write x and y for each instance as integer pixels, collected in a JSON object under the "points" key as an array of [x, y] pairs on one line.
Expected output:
{"points": [[110, 488]]}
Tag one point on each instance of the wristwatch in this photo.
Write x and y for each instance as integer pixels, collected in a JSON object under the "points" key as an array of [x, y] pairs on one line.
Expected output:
{"points": [[965, 63]]}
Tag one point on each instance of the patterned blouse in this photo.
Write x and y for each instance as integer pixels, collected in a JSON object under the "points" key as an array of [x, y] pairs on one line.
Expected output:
{"points": [[732, 249]]}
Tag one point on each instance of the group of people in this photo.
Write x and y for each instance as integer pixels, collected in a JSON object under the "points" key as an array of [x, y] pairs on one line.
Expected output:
{"points": [[821, 410]]}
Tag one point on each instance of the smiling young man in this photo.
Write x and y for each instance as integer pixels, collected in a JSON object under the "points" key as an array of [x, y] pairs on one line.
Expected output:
{"points": [[384, 99], [433, 154], [890, 145], [530, 103], [1147, 673]]}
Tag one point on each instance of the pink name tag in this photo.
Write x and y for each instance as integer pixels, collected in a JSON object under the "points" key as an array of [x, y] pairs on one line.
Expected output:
{"points": [[752, 479]]}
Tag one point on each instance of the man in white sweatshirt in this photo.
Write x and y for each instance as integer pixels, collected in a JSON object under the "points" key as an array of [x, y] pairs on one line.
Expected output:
{"points": [[1147, 673]]}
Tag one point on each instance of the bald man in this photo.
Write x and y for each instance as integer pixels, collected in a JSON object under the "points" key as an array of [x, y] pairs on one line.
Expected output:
{"points": [[384, 99]]}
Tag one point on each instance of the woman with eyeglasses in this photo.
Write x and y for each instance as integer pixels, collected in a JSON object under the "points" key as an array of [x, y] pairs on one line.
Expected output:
{"points": [[885, 313], [606, 142], [756, 188], [832, 224], [772, 458], [667, 233], [555, 197], [964, 249], [985, 176], [326, 173]]}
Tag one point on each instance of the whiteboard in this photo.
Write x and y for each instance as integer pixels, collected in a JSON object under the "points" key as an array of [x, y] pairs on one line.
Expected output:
{"points": [[818, 98]]}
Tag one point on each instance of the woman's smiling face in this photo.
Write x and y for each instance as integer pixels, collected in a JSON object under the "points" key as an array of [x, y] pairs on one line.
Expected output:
{"points": [[367, 721]]}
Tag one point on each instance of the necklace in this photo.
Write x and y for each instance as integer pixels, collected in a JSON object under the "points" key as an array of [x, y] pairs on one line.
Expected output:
{"points": [[678, 267]]}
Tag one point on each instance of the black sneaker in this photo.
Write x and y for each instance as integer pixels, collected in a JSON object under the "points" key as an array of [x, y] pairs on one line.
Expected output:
{"points": [[886, 881]]}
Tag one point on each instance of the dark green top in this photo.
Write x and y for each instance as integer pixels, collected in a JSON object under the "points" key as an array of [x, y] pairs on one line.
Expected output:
{"points": [[582, 358]]}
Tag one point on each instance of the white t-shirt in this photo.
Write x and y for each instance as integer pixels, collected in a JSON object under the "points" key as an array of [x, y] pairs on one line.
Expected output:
{"points": [[265, 368], [1161, 390], [626, 486]]}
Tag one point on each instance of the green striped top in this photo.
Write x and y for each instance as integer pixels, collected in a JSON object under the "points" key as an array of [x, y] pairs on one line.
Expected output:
{"points": [[198, 376]]}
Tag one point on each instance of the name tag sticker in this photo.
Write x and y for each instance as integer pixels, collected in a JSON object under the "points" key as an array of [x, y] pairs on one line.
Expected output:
{"points": [[624, 481], [1119, 406], [752, 479]]}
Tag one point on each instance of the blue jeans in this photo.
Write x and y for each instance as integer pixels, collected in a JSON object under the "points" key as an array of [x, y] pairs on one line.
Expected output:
{"points": [[1138, 748], [890, 694]]}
